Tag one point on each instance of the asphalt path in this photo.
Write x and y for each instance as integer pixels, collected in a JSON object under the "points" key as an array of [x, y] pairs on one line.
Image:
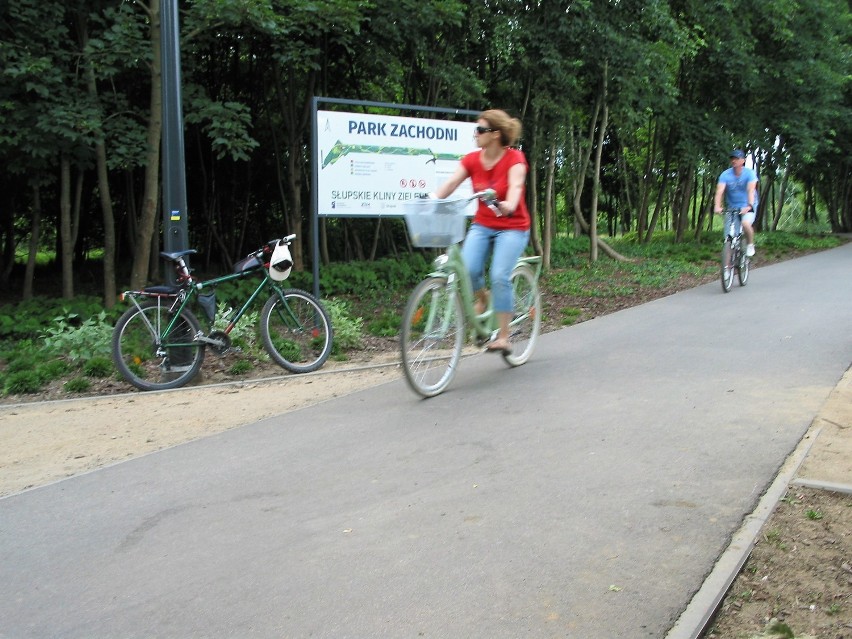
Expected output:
{"points": [[586, 494]]}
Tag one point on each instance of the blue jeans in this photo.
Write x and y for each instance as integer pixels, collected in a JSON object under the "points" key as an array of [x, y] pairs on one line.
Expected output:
{"points": [[506, 247]]}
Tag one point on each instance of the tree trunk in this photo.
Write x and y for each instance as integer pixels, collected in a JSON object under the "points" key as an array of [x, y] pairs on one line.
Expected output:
{"points": [[532, 190], [658, 207], [145, 232], [578, 192], [324, 242], [7, 216], [374, 246], [110, 289], [682, 202], [705, 209], [583, 165], [547, 230], [35, 237], [296, 116], [626, 219], [645, 185], [596, 178], [65, 234], [783, 192]]}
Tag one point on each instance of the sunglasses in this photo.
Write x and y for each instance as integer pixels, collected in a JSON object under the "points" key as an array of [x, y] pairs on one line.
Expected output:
{"points": [[484, 129]]}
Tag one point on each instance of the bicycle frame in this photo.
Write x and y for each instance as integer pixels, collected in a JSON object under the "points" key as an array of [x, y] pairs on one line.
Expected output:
{"points": [[734, 257], [450, 265], [733, 224], [184, 296]]}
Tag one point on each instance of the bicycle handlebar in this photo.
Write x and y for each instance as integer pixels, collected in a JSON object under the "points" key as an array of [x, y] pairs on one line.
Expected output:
{"points": [[270, 245], [489, 196], [486, 195]]}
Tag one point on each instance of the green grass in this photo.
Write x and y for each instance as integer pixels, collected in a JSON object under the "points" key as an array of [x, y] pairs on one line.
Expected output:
{"points": [[98, 367], [570, 315], [240, 367], [77, 385]]}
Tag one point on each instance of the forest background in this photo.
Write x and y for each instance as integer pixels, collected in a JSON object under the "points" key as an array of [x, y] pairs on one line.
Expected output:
{"points": [[629, 108]]}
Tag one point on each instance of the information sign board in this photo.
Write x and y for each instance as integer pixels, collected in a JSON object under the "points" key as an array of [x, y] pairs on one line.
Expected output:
{"points": [[369, 165]]}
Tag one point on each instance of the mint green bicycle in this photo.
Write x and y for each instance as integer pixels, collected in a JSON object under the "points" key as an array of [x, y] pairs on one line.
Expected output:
{"points": [[441, 307]]}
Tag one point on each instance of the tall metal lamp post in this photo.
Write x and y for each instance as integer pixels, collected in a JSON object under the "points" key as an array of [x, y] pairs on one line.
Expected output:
{"points": [[173, 167]]}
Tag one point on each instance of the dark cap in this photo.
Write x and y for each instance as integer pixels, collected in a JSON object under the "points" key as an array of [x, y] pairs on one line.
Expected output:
{"points": [[737, 153]]}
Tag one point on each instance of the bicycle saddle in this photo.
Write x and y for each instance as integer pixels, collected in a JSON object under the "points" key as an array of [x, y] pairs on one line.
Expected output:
{"points": [[174, 256]]}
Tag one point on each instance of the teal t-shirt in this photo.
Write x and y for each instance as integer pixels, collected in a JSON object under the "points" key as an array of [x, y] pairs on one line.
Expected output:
{"points": [[736, 187]]}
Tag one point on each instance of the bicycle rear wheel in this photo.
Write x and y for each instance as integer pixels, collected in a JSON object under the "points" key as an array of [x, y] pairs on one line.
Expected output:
{"points": [[742, 269], [151, 360], [432, 336], [297, 331], [526, 319], [727, 271]]}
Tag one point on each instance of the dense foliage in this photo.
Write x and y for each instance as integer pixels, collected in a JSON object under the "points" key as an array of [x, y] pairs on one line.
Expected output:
{"points": [[658, 90]]}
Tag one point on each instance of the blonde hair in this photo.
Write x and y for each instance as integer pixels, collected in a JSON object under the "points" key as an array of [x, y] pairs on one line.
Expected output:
{"points": [[510, 128]]}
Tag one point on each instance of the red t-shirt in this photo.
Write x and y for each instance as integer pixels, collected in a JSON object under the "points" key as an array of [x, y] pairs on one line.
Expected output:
{"points": [[498, 179]]}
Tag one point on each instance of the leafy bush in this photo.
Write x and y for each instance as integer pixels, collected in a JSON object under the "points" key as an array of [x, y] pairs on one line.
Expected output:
{"points": [[387, 324], [28, 357], [244, 333], [380, 275], [347, 329], [234, 293], [79, 339], [27, 319], [352, 277]]}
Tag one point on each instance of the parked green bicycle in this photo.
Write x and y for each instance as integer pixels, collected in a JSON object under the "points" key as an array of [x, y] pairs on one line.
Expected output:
{"points": [[434, 321], [159, 344]]}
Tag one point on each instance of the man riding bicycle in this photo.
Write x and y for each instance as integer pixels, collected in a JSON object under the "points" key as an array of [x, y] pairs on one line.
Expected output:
{"points": [[738, 185]]}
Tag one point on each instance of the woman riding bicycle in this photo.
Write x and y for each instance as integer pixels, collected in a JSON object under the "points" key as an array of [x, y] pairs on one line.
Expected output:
{"points": [[502, 227]]}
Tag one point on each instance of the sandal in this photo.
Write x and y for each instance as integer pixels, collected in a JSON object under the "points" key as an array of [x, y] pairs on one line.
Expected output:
{"points": [[496, 347]]}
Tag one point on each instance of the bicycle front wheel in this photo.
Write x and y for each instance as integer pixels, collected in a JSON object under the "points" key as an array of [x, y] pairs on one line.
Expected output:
{"points": [[296, 331], [727, 266], [147, 356], [526, 318], [742, 270], [432, 336]]}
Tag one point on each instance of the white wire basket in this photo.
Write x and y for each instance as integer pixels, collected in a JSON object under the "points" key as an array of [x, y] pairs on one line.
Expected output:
{"points": [[436, 223]]}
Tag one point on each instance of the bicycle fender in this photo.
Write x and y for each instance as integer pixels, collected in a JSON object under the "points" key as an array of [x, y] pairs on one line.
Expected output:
{"points": [[533, 261]]}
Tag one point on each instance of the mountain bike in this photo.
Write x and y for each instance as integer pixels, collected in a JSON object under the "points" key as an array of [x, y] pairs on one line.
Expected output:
{"points": [[441, 307], [734, 257], [158, 343]]}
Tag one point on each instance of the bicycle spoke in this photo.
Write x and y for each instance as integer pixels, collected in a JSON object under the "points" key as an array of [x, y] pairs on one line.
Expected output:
{"points": [[526, 321], [432, 336], [727, 271], [297, 331], [151, 362]]}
